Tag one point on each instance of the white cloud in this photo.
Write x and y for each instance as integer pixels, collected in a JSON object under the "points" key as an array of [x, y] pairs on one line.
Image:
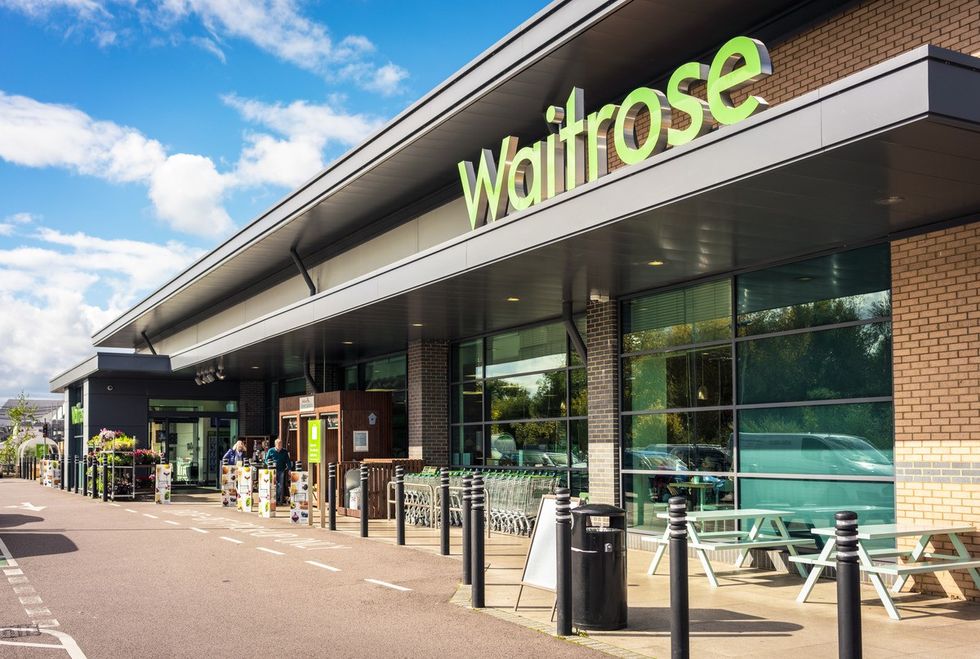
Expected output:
{"points": [[186, 189], [305, 130], [278, 27], [46, 293], [10, 224]]}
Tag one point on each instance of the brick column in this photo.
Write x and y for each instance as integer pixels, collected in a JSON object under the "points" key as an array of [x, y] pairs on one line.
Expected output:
{"points": [[428, 401], [251, 408], [602, 341], [936, 329]]}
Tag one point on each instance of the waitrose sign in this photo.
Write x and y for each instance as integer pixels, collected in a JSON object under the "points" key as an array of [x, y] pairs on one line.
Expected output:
{"points": [[577, 151]]}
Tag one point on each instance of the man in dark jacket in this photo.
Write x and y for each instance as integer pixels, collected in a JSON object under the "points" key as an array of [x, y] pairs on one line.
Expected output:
{"points": [[278, 457]]}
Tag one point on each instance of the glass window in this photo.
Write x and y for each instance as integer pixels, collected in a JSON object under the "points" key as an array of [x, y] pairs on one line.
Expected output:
{"points": [[680, 317], [293, 387], [646, 495], [399, 424], [831, 289], [580, 323], [531, 444], [527, 396], [527, 350], [846, 362], [467, 445], [385, 374], [847, 440], [678, 441], [670, 380], [579, 429], [578, 482], [350, 378], [175, 405], [814, 502], [467, 402], [467, 360], [579, 396]]}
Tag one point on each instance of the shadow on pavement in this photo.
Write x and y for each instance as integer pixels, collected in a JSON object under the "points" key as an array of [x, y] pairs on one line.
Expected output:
{"points": [[655, 621], [23, 545], [12, 520]]}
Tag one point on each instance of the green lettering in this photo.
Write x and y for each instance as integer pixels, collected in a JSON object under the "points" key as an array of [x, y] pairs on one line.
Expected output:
{"points": [[483, 189], [679, 97], [726, 76], [524, 177], [572, 135], [628, 148], [598, 124]]}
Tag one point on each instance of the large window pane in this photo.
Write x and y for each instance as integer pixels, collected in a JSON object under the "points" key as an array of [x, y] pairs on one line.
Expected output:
{"points": [[690, 315], [385, 374], [844, 440], [467, 445], [467, 402], [684, 441], [579, 430], [847, 362], [814, 502], [526, 350], [646, 495], [541, 395], [670, 380], [823, 291], [399, 424], [533, 444], [350, 378], [467, 360], [579, 395]]}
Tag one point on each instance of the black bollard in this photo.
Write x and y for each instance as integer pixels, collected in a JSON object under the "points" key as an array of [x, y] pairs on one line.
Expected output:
{"points": [[331, 496], [95, 477], [399, 505], [563, 544], [465, 519], [105, 478], [364, 500], [848, 587], [444, 511], [78, 471], [680, 625], [85, 475], [476, 531]]}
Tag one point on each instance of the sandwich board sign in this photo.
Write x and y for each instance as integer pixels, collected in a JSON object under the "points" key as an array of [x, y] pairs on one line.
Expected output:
{"points": [[541, 564]]}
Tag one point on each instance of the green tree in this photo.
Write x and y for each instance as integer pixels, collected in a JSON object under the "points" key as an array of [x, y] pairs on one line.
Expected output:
{"points": [[23, 416]]}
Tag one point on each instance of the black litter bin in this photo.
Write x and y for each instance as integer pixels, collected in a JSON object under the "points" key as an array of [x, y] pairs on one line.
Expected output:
{"points": [[599, 567]]}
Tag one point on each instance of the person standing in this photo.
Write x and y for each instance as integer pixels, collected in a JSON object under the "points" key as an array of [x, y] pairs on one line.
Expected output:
{"points": [[279, 458], [258, 455], [235, 454]]}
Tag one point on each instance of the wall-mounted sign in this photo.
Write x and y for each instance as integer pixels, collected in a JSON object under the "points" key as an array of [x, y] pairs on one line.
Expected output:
{"points": [[372, 419], [576, 152], [314, 437], [361, 441], [307, 403]]}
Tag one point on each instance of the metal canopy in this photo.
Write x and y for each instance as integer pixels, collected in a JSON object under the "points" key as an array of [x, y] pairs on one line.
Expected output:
{"points": [[882, 152], [409, 167]]}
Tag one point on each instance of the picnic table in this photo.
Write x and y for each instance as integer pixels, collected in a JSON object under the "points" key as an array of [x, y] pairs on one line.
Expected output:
{"points": [[913, 562], [757, 537]]}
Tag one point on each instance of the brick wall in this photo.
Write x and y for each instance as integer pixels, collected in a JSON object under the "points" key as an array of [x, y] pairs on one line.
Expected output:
{"points": [[428, 401], [852, 40], [936, 326], [602, 341], [252, 408]]}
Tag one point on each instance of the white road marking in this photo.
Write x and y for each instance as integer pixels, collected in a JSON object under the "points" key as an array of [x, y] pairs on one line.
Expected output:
{"points": [[271, 551], [16, 579], [167, 521], [130, 510], [388, 585], [150, 516], [13, 573], [67, 644], [324, 566], [24, 590], [116, 505], [27, 505], [194, 528], [30, 599], [224, 537], [38, 612]]}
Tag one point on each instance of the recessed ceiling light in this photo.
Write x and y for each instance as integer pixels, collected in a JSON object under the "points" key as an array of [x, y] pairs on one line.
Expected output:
{"points": [[890, 201], [254, 368], [416, 324], [513, 299], [655, 263], [348, 343], [804, 279]]}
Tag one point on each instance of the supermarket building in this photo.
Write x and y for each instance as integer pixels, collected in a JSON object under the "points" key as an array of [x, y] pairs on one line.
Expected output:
{"points": [[642, 246]]}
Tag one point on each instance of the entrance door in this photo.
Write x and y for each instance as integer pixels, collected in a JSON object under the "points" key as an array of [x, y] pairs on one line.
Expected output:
{"points": [[181, 441]]}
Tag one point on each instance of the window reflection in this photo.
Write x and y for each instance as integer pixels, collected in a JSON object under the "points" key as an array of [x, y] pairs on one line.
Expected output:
{"points": [[682, 441], [646, 496]]}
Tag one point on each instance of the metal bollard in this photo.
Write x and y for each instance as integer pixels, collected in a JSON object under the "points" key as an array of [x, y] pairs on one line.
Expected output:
{"points": [[105, 478], [444, 511], [477, 548], [465, 519], [95, 474], [85, 475], [563, 544], [848, 587], [680, 624], [399, 505], [332, 495], [364, 500], [78, 471]]}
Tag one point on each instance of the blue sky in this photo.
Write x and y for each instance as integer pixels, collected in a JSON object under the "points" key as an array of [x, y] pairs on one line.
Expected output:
{"points": [[135, 136]]}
